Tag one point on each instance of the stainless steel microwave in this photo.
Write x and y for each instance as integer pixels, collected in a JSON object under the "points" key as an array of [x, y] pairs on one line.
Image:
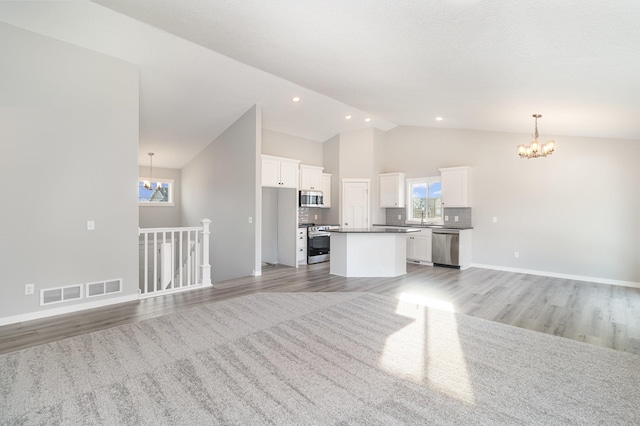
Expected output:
{"points": [[310, 199]]}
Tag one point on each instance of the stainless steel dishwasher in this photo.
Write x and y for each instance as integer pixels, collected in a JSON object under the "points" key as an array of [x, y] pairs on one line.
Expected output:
{"points": [[445, 247]]}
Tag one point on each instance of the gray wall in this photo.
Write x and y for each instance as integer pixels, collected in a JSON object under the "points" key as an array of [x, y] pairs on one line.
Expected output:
{"points": [[282, 145], [220, 184], [162, 216], [69, 132], [270, 224], [355, 154], [576, 212], [331, 159]]}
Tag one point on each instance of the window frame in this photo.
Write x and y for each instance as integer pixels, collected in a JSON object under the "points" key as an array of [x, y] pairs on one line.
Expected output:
{"points": [[169, 203], [410, 220]]}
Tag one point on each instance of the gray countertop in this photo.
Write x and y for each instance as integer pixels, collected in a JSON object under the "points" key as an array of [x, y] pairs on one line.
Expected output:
{"points": [[380, 230], [428, 226]]}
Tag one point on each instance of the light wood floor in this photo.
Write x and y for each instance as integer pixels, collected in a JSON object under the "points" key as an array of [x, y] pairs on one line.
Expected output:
{"points": [[598, 314]]}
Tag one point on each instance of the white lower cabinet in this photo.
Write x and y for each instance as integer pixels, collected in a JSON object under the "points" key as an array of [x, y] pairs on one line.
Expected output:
{"points": [[419, 246], [302, 246]]}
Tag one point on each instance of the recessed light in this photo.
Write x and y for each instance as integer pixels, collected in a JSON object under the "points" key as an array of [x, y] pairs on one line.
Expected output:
{"points": [[439, 118], [296, 99], [348, 117], [368, 119]]}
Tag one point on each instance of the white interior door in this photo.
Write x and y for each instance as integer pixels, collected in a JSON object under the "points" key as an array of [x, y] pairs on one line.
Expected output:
{"points": [[355, 203]]}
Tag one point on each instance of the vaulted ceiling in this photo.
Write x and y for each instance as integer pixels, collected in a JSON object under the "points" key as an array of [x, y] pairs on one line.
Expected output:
{"points": [[478, 64]]}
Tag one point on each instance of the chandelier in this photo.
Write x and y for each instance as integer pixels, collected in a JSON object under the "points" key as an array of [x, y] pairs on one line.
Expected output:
{"points": [[147, 183], [535, 149]]}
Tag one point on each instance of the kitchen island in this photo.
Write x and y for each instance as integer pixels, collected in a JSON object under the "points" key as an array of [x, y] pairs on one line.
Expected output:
{"points": [[369, 252]]}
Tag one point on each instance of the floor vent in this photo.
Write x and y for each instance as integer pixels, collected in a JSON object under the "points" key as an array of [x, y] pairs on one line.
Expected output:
{"points": [[101, 288], [60, 294]]}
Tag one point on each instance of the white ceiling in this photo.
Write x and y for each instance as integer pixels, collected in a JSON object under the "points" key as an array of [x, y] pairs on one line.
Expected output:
{"points": [[481, 64]]}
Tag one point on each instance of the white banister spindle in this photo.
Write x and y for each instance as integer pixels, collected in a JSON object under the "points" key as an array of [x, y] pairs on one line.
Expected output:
{"points": [[197, 270], [206, 267], [188, 257], [180, 268], [145, 285], [155, 262]]}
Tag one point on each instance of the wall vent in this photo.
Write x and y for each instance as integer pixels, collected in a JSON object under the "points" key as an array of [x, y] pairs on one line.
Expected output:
{"points": [[60, 294], [101, 288]]}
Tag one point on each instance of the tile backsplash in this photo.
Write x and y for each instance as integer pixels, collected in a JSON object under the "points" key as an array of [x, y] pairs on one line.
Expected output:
{"points": [[308, 215], [392, 216], [463, 213]]}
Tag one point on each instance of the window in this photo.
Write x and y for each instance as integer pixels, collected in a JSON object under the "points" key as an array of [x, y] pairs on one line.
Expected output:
{"points": [[160, 194], [424, 200]]}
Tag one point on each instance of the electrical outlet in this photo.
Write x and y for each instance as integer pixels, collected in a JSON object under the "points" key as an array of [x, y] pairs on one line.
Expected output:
{"points": [[516, 254], [495, 219], [399, 217], [29, 288], [315, 217], [446, 218], [250, 219], [455, 218], [91, 225]]}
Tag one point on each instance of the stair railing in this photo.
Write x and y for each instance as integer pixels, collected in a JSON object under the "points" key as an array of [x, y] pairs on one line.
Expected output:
{"points": [[174, 259]]}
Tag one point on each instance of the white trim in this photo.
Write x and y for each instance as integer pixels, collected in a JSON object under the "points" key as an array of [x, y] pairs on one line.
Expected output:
{"points": [[155, 204], [559, 275], [171, 291], [66, 310]]}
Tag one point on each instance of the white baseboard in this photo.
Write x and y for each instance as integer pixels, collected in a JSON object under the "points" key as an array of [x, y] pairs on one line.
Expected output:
{"points": [[67, 309], [559, 275]]}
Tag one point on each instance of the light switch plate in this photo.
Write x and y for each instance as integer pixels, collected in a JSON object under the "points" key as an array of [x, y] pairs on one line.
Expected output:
{"points": [[91, 225], [495, 219]]}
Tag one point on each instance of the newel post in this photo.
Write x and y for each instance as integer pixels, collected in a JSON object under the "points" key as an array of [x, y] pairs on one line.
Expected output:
{"points": [[206, 267]]}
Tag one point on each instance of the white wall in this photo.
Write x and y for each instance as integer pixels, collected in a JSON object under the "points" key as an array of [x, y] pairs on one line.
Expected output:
{"points": [[69, 132], [221, 184], [162, 216], [282, 145], [576, 212]]}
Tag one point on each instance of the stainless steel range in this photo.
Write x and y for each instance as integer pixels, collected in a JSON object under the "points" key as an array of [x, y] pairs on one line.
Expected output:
{"points": [[319, 243]]}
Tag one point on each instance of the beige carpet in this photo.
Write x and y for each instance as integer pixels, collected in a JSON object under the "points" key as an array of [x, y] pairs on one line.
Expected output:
{"points": [[319, 358]]}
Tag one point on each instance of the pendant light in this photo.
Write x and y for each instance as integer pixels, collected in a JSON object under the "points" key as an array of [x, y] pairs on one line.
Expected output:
{"points": [[535, 149]]}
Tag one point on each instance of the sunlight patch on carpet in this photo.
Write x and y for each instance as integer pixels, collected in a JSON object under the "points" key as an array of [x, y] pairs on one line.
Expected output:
{"points": [[428, 350]]}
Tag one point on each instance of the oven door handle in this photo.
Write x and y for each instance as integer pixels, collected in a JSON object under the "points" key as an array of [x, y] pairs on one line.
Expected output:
{"points": [[323, 234]]}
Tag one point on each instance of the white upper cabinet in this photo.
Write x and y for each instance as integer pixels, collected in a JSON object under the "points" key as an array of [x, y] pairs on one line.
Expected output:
{"points": [[326, 190], [310, 177], [392, 192], [455, 186], [279, 172]]}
